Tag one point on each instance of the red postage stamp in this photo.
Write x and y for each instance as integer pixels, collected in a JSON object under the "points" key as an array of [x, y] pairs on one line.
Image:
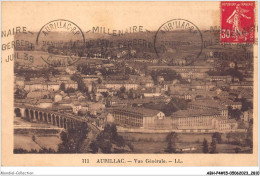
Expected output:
{"points": [[238, 21]]}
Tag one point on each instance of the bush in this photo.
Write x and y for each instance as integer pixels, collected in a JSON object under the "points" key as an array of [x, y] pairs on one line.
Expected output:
{"points": [[172, 139], [197, 141], [237, 150], [20, 150], [73, 139], [131, 146], [43, 150], [108, 137], [213, 146], [133, 139], [205, 146], [94, 146], [105, 147], [217, 136]]}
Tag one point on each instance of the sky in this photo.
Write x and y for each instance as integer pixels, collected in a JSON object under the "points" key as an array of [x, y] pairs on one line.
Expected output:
{"points": [[113, 15]]}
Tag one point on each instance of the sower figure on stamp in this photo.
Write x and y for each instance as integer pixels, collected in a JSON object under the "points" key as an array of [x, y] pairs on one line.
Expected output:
{"points": [[235, 19]]}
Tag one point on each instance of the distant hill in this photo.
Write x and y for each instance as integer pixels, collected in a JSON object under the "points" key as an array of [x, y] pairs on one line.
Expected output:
{"points": [[141, 45]]}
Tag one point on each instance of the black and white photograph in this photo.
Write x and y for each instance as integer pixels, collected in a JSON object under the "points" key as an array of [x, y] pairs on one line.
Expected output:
{"points": [[129, 84], [131, 91]]}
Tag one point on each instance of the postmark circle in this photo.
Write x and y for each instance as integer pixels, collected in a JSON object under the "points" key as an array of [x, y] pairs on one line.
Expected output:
{"points": [[61, 43], [178, 40]]}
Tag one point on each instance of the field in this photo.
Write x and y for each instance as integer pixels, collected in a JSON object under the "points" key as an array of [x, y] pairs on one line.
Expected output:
{"points": [[229, 148], [149, 147], [26, 142], [156, 143], [45, 135], [195, 137], [161, 137]]}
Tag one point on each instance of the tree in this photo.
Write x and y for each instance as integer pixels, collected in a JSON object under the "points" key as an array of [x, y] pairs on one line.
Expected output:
{"points": [[205, 146], [134, 105], [174, 105], [154, 77], [42, 150], [45, 150], [228, 136], [234, 113], [167, 74], [169, 108], [62, 86], [20, 150], [99, 80], [122, 89], [119, 140], [94, 146], [81, 85], [249, 136], [131, 94], [33, 138], [213, 146], [234, 73], [81, 112], [246, 105], [53, 71], [106, 146], [105, 94], [107, 137], [17, 112], [20, 94], [73, 139], [217, 136], [50, 49], [70, 90], [237, 149], [172, 139]]}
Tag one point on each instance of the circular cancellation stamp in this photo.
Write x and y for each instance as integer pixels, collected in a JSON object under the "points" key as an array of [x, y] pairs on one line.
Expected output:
{"points": [[61, 43], [178, 39]]}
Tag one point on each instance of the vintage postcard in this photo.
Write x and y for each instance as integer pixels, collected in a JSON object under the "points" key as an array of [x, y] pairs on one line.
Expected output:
{"points": [[129, 83]]}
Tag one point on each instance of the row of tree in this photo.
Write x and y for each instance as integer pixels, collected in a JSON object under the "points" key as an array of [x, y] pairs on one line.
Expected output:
{"points": [[29, 73]]}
